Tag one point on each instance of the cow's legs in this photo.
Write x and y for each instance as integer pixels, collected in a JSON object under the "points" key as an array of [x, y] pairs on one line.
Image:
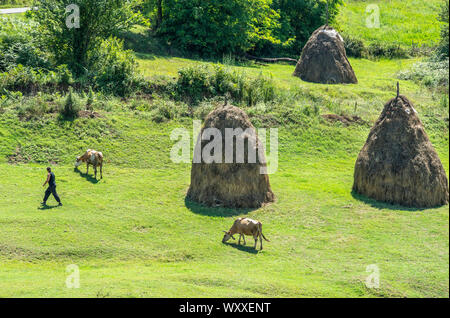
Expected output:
{"points": [[260, 239], [256, 241], [87, 168], [95, 171], [243, 236], [239, 242], [101, 173]]}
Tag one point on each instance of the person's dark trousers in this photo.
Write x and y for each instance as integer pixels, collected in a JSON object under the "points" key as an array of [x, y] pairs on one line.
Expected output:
{"points": [[51, 190]]}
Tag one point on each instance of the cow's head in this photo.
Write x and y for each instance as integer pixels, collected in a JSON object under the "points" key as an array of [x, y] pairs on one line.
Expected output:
{"points": [[227, 236], [78, 161]]}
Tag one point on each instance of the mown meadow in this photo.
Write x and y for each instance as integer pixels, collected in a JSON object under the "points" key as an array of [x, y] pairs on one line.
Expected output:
{"points": [[133, 233]]}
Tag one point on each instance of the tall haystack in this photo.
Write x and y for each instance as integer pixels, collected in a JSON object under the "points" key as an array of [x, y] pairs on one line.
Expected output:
{"points": [[398, 163], [324, 60], [236, 182]]}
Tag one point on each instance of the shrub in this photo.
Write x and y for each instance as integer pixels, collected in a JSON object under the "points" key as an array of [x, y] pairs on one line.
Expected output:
{"points": [[64, 75], [354, 47], [432, 73], [71, 106], [389, 50], [18, 44], [198, 82], [33, 108], [194, 83], [113, 68], [90, 99]]}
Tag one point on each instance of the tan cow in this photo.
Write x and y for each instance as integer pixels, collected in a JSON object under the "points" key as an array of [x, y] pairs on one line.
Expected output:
{"points": [[91, 157], [245, 226]]}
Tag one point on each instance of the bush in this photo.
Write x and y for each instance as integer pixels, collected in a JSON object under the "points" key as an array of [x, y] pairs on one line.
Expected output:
{"points": [[198, 82], [90, 99], [389, 50], [354, 47], [113, 68], [34, 108], [18, 44], [31, 80], [214, 27], [432, 73], [70, 106], [194, 83]]}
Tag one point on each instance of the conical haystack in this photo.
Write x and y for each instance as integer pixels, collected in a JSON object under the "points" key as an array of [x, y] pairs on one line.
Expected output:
{"points": [[323, 59], [398, 163], [237, 181]]}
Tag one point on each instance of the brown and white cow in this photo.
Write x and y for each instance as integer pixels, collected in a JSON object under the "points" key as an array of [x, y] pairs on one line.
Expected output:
{"points": [[91, 157], [245, 226]]}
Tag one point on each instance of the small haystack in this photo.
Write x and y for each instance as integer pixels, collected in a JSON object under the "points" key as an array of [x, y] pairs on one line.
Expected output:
{"points": [[398, 163], [239, 184], [324, 60]]}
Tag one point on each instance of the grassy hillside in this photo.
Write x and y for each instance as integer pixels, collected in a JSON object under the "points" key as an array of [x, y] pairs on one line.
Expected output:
{"points": [[401, 22]]}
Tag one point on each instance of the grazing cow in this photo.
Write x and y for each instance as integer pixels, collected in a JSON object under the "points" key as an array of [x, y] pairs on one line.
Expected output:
{"points": [[245, 226], [91, 157]]}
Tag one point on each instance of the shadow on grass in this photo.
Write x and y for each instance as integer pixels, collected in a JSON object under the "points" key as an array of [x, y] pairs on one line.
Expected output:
{"points": [[47, 207], [243, 248], [88, 177], [214, 211], [383, 205]]}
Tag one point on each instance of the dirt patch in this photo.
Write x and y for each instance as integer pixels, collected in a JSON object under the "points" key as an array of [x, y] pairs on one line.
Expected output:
{"points": [[345, 120], [18, 157], [88, 114], [38, 153]]}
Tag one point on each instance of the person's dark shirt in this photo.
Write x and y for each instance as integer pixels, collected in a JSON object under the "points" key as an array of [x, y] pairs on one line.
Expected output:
{"points": [[51, 182]]}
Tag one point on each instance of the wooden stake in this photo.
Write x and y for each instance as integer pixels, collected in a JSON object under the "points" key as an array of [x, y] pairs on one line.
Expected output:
{"points": [[398, 89], [327, 13]]}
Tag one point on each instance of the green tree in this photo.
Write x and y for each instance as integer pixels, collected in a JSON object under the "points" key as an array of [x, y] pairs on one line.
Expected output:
{"points": [[215, 27], [299, 19], [98, 19]]}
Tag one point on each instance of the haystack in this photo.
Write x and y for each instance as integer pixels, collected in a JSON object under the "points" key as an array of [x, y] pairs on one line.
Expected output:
{"points": [[324, 60], [239, 184], [398, 163]]}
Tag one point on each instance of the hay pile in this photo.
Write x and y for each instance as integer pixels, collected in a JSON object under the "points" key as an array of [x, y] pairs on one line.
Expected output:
{"points": [[324, 60], [398, 163], [234, 185]]}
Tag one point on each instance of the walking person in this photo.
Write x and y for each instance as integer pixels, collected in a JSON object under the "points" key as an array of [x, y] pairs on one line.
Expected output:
{"points": [[51, 187]]}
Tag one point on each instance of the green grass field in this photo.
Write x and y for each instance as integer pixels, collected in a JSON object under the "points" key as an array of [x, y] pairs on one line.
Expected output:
{"points": [[132, 234], [401, 22]]}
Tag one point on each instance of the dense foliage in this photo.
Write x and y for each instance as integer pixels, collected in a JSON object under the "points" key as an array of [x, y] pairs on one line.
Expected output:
{"points": [[98, 19], [216, 27]]}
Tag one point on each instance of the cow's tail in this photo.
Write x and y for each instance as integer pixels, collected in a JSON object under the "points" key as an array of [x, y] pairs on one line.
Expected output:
{"points": [[260, 231]]}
